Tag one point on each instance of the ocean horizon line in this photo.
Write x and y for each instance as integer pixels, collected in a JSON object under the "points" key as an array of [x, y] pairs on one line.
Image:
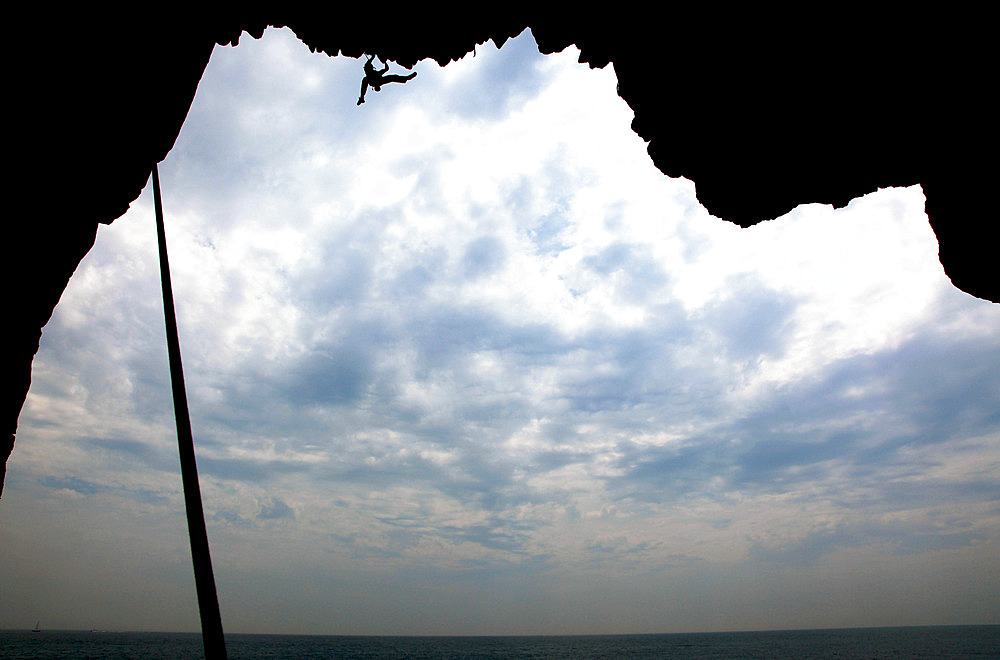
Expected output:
{"points": [[512, 635]]}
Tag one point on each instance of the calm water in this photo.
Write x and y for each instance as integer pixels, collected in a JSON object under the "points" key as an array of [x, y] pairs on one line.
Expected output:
{"points": [[919, 642]]}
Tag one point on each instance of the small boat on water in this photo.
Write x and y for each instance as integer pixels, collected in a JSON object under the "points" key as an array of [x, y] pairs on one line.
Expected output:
{"points": [[36, 628]]}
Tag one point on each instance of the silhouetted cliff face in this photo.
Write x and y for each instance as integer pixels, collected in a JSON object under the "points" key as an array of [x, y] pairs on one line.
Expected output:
{"points": [[762, 112]]}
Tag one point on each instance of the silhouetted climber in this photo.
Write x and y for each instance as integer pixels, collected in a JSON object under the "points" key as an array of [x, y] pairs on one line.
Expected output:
{"points": [[375, 79]]}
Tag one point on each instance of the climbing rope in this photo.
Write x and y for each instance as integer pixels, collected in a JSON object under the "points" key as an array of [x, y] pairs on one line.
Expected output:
{"points": [[204, 578]]}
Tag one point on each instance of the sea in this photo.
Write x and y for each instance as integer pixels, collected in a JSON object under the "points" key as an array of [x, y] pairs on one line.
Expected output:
{"points": [[908, 642]]}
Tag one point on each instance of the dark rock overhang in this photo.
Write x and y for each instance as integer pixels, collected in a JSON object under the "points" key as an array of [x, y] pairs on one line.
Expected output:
{"points": [[763, 110]]}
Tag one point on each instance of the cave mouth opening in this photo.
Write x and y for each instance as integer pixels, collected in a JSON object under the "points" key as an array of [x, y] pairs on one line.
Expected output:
{"points": [[485, 341]]}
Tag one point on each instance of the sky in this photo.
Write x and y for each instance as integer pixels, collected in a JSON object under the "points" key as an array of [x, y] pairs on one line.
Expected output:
{"points": [[461, 360]]}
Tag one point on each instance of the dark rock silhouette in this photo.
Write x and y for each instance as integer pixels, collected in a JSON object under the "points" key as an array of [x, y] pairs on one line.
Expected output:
{"points": [[762, 111]]}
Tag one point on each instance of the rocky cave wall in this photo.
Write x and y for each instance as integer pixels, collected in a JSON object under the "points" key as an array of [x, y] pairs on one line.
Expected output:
{"points": [[762, 110]]}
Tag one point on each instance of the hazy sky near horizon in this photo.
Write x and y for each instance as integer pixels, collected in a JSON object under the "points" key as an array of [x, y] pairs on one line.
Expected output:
{"points": [[463, 361]]}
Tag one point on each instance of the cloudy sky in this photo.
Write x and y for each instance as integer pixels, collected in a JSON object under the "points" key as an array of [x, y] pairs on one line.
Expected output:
{"points": [[462, 361]]}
